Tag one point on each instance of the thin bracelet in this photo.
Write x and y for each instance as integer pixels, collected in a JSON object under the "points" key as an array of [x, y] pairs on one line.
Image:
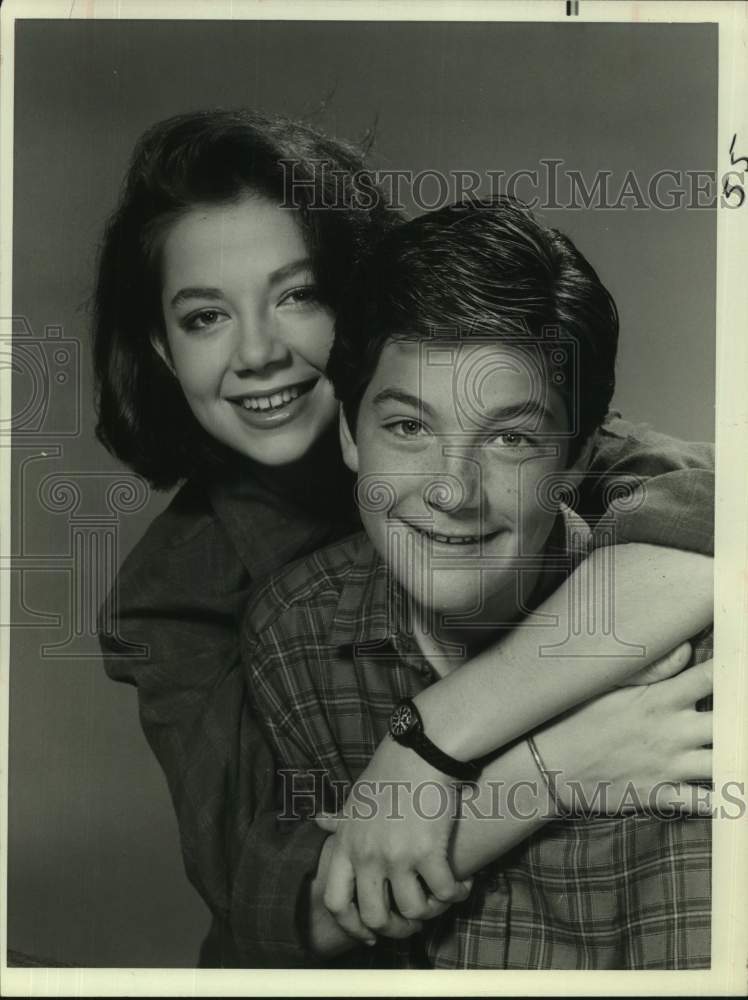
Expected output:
{"points": [[548, 779]]}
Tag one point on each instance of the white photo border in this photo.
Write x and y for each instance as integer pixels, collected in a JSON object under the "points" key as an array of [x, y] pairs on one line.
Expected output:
{"points": [[727, 975]]}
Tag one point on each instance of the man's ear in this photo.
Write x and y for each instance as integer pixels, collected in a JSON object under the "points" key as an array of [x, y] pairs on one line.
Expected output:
{"points": [[347, 444], [161, 348], [582, 461]]}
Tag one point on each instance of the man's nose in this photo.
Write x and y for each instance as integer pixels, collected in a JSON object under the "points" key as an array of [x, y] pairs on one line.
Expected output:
{"points": [[457, 485], [256, 344]]}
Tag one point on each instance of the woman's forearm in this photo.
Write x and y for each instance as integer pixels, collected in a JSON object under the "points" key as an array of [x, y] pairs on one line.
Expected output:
{"points": [[600, 619], [511, 790]]}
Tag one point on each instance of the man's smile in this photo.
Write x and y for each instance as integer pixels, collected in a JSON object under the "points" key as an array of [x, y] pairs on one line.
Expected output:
{"points": [[451, 538]]}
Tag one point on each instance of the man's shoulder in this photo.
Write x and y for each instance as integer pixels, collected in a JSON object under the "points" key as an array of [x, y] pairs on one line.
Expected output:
{"points": [[310, 586], [620, 446]]}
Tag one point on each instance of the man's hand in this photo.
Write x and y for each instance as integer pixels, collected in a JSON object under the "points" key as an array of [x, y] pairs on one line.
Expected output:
{"points": [[388, 868]]}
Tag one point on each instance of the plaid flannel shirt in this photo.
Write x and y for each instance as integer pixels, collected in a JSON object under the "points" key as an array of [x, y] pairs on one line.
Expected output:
{"points": [[328, 651], [180, 594]]}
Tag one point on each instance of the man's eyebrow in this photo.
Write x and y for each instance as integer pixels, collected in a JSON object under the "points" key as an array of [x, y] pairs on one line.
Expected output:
{"points": [[196, 292], [395, 395], [530, 409]]}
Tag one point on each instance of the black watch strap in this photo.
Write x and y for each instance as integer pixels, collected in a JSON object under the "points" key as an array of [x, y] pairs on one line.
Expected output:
{"points": [[406, 728]]}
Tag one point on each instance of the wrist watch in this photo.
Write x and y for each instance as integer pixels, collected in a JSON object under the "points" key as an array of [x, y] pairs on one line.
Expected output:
{"points": [[406, 728]]}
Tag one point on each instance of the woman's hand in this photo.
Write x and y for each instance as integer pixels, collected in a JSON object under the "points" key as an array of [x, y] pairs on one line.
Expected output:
{"points": [[637, 747], [388, 869]]}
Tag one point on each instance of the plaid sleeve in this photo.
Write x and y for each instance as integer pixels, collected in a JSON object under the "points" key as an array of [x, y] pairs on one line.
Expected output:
{"points": [[649, 487]]}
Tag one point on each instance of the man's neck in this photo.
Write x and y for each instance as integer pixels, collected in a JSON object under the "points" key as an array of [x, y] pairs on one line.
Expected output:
{"points": [[449, 646]]}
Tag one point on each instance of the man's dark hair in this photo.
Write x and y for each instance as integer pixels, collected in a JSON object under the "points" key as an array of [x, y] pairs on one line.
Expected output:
{"points": [[484, 269], [208, 157]]}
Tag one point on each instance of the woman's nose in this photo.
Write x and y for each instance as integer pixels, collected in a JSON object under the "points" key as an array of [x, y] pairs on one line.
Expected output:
{"points": [[257, 345]]}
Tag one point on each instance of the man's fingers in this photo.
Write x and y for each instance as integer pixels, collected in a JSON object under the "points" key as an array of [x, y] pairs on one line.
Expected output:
{"points": [[339, 901], [327, 821], [667, 666], [442, 884]]}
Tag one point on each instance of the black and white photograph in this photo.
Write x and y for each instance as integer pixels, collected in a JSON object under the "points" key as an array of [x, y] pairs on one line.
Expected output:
{"points": [[374, 554]]}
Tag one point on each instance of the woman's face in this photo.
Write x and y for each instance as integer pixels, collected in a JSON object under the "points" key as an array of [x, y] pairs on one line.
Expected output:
{"points": [[246, 334]]}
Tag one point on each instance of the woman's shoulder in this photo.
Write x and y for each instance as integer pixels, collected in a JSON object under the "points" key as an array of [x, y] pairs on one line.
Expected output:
{"points": [[186, 540], [189, 514]]}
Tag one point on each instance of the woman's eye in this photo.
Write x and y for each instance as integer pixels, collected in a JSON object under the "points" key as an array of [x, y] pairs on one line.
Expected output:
{"points": [[201, 320], [300, 296], [406, 428]]}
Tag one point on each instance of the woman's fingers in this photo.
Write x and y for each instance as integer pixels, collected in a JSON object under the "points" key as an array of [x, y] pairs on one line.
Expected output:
{"points": [[339, 899], [680, 798], [667, 666], [408, 896], [375, 906], [697, 765], [437, 874], [700, 728], [693, 684]]}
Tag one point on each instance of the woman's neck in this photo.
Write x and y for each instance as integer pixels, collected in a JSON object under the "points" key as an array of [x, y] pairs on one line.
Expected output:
{"points": [[318, 480]]}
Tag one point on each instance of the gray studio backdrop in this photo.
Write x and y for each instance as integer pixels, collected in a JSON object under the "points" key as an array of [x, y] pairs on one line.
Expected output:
{"points": [[95, 874]]}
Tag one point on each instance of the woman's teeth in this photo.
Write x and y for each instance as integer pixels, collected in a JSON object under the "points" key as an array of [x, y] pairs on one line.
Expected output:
{"points": [[278, 399]]}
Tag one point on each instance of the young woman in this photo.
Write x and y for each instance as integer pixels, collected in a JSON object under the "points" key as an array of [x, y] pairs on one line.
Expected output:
{"points": [[218, 281]]}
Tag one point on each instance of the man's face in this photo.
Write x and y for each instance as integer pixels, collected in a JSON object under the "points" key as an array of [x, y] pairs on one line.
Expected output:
{"points": [[453, 442]]}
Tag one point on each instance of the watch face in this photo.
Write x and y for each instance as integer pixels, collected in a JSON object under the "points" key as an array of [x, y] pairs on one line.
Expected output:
{"points": [[402, 720]]}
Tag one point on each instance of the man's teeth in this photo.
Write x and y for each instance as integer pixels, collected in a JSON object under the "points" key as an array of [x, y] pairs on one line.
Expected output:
{"points": [[273, 402], [456, 539]]}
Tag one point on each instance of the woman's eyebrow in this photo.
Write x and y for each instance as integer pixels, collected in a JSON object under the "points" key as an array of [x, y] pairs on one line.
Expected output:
{"points": [[287, 270], [275, 277], [196, 292]]}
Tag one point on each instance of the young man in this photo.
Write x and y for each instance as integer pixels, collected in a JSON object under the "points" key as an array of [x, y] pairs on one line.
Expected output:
{"points": [[474, 361]]}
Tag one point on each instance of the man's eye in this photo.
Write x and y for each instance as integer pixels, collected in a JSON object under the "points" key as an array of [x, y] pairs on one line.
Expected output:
{"points": [[512, 439], [406, 428], [201, 320]]}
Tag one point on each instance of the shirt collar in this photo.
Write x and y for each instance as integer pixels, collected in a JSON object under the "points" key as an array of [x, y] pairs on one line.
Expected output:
{"points": [[368, 606], [373, 609]]}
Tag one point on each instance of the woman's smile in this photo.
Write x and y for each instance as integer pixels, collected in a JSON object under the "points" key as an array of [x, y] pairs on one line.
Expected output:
{"points": [[273, 409]]}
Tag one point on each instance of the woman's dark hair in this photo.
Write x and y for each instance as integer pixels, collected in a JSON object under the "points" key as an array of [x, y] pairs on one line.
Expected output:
{"points": [[217, 157], [482, 269]]}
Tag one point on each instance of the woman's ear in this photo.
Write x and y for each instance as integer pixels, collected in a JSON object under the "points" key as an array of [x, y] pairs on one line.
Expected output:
{"points": [[347, 444], [159, 345]]}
